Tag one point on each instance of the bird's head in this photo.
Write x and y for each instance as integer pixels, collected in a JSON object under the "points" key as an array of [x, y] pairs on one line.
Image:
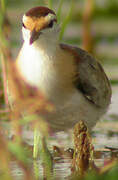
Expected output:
{"points": [[39, 22]]}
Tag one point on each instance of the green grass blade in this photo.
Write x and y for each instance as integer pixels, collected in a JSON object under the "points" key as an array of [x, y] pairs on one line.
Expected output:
{"points": [[3, 6], [66, 20], [36, 143], [59, 10], [50, 4], [36, 169]]}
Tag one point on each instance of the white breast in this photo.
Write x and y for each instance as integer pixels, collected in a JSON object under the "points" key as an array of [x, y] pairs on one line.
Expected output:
{"points": [[51, 71], [32, 64]]}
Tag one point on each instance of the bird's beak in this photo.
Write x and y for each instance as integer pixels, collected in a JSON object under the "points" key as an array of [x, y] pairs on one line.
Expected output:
{"points": [[34, 36]]}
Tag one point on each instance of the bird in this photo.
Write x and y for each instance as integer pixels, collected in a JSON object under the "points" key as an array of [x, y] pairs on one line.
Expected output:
{"points": [[68, 76]]}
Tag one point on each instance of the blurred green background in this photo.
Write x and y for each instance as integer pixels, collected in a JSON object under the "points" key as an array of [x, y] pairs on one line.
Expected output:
{"points": [[97, 17], [89, 24], [92, 25]]}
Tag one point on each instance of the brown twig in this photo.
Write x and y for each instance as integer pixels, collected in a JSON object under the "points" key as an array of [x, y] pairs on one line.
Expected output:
{"points": [[83, 151], [88, 41], [4, 77]]}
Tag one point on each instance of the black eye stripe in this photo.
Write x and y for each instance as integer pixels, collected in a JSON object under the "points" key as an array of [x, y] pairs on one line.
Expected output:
{"points": [[23, 25], [51, 24]]}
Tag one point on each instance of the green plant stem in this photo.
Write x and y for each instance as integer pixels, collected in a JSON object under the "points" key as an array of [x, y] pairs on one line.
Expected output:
{"points": [[40, 147], [36, 143], [36, 169], [66, 20], [59, 10], [3, 45], [3, 6], [50, 4], [46, 160], [4, 77]]}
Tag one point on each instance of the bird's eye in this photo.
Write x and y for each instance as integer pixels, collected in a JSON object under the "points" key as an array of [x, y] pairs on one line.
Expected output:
{"points": [[50, 24], [23, 25]]}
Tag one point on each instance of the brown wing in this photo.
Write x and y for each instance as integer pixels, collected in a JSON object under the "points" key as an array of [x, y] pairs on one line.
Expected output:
{"points": [[91, 79]]}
